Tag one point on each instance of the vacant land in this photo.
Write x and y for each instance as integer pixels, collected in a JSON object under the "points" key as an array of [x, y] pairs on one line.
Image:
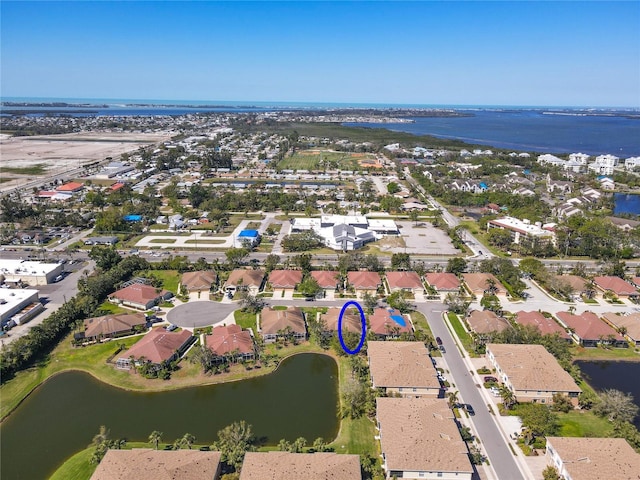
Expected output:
{"points": [[322, 160]]}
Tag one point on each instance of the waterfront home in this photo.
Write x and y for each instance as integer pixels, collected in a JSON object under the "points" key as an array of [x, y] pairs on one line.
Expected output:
{"points": [[200, 281], [486, 322], [546, 326], [616, 286], [284, 282], [300, 466], [405, 282], [627, 324], [148, 464], [157, 347], [329, 280], [140, 296], [111, 326], [579, 458], [230, 343], [480, 283], [364, 282], [403, 368], [443, 282], [274, 324], [588, 330], [531, 373], [419, 438], [247, 280], [351, 321], [389, 323]]}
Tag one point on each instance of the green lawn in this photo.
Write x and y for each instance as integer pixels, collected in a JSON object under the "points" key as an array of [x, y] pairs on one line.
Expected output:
{"points": [[38, 169], [420, 323], [170, 278], [598, 353], [112, 308], [162, 240], [464, 337], [77, 467], [583, 424], [246, 320], [318, 159]]}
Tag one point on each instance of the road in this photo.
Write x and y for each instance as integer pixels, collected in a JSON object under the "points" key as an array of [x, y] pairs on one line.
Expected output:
{"points": [[500, 456]]}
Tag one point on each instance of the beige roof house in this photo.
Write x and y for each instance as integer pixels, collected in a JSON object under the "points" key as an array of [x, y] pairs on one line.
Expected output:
{"points": [[588, 330], [112, 325], [421, 435], [443, 281], [199, 281], [156, 347], [141, 296], [351, 321], [147, 464], [409, 281], [327, 279], [300, 466], [245, 279], [577, 283], [593, 458], [485, 321], [630, 323], [531, 372], [285, 279], [274, 322], [364, 280], [402, 367], [479, 283]]}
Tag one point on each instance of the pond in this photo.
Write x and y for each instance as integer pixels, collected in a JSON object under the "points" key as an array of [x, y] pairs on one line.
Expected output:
{"points": [[626, 203], [621, 376], [61, 417]]}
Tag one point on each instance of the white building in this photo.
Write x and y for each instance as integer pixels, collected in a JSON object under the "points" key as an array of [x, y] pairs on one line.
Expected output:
{"points": [[631, 163], [604, 164], [523, 231], [33, 273], [18, 305]]}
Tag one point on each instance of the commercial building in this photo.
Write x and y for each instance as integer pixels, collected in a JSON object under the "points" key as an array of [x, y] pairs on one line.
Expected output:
{"points": [[523, 231], [29, 272], [18, 306]]}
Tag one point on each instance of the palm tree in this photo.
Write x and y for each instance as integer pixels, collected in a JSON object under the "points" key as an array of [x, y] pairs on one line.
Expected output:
{"points": [[452, 398], [188, 440], [508, 397], [155, 438]]}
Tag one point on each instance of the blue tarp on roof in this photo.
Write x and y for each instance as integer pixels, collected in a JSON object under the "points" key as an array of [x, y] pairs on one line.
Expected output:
{"points": [[248, 233], [132, 218]]}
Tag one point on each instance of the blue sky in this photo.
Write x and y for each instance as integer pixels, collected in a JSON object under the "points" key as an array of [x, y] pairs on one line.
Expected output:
{"points": [[446, 53]]}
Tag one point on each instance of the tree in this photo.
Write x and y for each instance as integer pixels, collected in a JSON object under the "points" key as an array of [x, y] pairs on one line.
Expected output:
{"points": [[400, 261], [252, 303], [396, 300], [550, 473], [319, 445], [187, 440], [235, 256], [561, 403], [271, 262], [155, 437], [298, 445], [370, 302], [204, 356], [508, 397], [616, 406], [309, 287], [354, 399], [456, 265], [105, 257], [538, 418], [393, 187], [234, 441], [302, 261], [499, 237], [456, 303], [452, 398], [532, 267]]}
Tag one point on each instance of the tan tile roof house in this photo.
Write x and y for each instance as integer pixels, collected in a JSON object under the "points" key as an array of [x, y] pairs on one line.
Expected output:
{"points": [[300, 466], [140, 296], [382, 323], [593, 458], [620, 287], [577, 283], [443, 282], [546, 326], [285, 279], [199, 281], [157, 346], [402, 367], [112, 325], [485, 321], [327, 279], [420, 436], [409, 281], [588, 330], [478, 283], [351, 321], [630, 322], [147, 464], [364, 280], [531, 372], [274, 321], [225, 340], [245, 279]]}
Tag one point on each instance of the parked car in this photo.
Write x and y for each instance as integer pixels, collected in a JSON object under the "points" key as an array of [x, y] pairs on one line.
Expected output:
{"points": [[171, 328], [491, 379], [438, 340], [469, 409], [58, 278], [442, 349]]}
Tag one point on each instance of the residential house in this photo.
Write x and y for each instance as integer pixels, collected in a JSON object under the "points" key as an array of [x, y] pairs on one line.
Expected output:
{"points": [[284, 281], [486, 322], [577, 284], [443, 282], [546, 326], [273, 324], [627, 325], [246, 280], [561, 187], [385, 323], [101, 241], [624, 224], [419, 438], [531, 373], [327, 279], [364, 282], [200, 281], [111, 326], [300, 466], [617, 286], [587, 458], [148, 464], [480, 283], [405, 281], [523, 191], [157, 347], [631, 163], [351, 321], [403, 368], [140, 296], [248, 237], [588, 330], [230, 343]]}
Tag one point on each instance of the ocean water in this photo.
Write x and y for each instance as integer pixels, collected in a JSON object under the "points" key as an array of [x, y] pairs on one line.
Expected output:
{"points": [[626, 203]]}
